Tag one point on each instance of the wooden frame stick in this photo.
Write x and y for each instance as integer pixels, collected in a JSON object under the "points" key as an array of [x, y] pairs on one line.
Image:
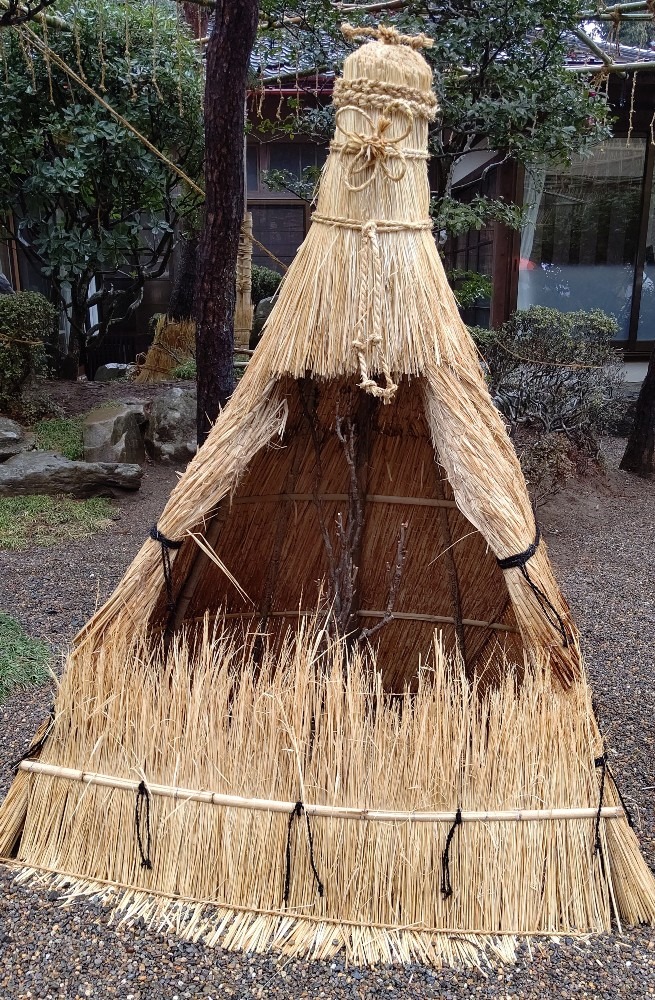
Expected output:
{"points": [[330, 812]]}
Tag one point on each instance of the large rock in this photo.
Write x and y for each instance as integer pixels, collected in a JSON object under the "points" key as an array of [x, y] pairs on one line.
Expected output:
{"points": [[171, 432], [110, 372], [114, 433], [13, 438], [47, 472]]}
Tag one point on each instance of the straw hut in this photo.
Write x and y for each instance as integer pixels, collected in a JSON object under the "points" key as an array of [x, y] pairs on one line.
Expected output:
{"points": [[343, 620]]}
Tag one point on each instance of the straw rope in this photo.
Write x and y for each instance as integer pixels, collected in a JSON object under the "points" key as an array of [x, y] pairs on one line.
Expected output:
{"points": [[372, 149], [369, 315], [370, 294], [387, 97]]}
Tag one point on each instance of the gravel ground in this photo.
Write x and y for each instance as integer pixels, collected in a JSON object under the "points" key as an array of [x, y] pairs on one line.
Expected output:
{"points": [[601, 535]]}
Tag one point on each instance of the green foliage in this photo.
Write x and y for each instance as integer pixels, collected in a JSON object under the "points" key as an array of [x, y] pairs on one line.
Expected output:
{"points": [[304, 187], [499, 73], [90, 198], [45, 520], [26, 332], [63, 435], [457, 217], [469, 286], [186, 370], [23, 660], [554, 376], [265, 282]]}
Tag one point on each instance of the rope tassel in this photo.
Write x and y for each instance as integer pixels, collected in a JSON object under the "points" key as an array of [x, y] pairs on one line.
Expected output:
{"points": [[369, 314]]}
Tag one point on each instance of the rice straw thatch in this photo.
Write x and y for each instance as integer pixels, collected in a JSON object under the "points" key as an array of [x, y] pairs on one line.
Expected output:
{"points": [[311, 722], [274, 638]]}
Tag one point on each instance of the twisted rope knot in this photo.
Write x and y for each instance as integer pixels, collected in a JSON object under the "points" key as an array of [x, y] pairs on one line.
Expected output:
{"points": [[372, 149]]}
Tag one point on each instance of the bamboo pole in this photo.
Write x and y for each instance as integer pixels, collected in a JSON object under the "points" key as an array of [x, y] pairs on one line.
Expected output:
{"points": [[315, 809]]}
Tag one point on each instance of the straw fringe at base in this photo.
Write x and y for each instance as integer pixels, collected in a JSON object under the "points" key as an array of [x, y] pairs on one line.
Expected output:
{"points": [[294, 935]]}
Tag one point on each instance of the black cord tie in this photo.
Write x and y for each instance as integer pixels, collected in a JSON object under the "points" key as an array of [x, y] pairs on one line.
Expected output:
{"points": [[600, 762], [297, 812], [166, 545], [446, 885], [143, 797], [550, 611], [35, 748]]}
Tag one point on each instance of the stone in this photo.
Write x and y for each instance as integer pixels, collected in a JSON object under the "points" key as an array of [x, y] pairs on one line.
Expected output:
{"points": [[13, 438], [114, 433], [47, 472], [107, 373], [171, 433], [262, 312]]}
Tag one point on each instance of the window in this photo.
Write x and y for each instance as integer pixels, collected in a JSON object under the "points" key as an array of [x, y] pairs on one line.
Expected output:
{"points": [[293, 157], [579, 244]]}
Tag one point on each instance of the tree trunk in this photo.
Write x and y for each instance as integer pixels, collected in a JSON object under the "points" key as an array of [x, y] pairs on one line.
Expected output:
{"points": [[228, 54], [639, 456], [75, 356], [180, 305]]}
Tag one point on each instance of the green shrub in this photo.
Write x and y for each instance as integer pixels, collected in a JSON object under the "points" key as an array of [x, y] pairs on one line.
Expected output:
{"points": [[27, 327], [63, 435], [470, 287], [23, 660], [45, 520], [265, 283], [554, 376], [186, 370]]}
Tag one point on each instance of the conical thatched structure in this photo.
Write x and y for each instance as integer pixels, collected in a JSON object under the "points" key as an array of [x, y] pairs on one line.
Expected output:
{"points": [[343, 640]]}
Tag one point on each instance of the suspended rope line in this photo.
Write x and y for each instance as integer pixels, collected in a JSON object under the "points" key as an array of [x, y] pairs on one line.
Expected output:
{"points": [[53, 56]]}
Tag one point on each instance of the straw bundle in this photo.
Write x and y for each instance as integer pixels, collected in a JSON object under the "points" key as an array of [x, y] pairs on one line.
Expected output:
{"points": [[311, 723], [367, 299], [243, 313], [359, 476], [173, 344]]}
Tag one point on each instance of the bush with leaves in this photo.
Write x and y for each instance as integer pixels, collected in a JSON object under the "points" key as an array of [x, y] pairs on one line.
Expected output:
{"points": [[88, 198], [265, 282], [27, 330], [555, 378]]}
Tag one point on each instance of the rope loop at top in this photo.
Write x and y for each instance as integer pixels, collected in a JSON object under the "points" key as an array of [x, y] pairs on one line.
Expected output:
{"points": [[386, 34]]}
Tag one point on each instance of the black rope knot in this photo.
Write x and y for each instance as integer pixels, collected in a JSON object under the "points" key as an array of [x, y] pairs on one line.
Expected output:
{"points": [[519, 561], [167, 544], [296, 813], [446, 885], [143, 798], [34, 749]]}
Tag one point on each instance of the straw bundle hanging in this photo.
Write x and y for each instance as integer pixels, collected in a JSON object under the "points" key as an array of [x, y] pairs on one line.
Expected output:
{"points": [[244, 308], [259, 740], [173, 344]]}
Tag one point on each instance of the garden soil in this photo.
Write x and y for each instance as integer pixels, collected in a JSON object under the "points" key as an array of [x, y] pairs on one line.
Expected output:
{"points": [[601, 536]]}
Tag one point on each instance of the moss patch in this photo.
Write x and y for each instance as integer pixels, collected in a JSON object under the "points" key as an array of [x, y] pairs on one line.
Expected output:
{"points": [[23, 660], [63, 435], [45, 520]]}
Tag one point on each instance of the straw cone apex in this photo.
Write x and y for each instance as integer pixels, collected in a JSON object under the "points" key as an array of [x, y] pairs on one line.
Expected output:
{"points": [[368, 279]]}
